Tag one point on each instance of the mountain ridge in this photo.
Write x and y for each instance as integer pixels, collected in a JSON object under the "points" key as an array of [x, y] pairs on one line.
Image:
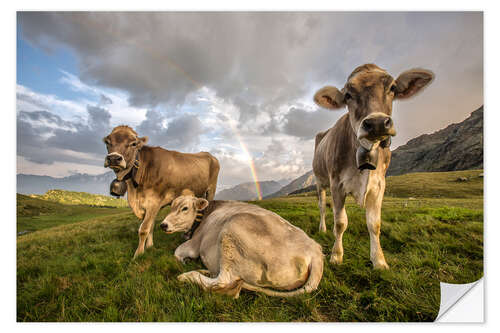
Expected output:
{"points": [[458, 146]]}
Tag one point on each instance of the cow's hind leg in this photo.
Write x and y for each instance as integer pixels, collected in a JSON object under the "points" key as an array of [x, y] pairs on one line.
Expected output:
{"points": [[223, 283], [322, 206], [149, 240], [340, 224], [373, 222], [145, 228], [210, 194]]}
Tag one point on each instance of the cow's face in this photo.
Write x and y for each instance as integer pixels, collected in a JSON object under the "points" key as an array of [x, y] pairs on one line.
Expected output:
{"points": [[122, 145], [183, 214], [368, 95]]}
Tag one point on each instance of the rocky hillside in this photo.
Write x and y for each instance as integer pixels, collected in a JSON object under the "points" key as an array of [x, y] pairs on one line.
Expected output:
{"points": [[303, 181], [247, 191], [456, 147]]}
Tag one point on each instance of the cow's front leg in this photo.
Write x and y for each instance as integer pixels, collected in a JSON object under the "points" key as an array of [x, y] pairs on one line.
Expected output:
{"points": [[340, 224], [373, 222], [145, 229], [149, 240], [322, 207], [186, 250]]}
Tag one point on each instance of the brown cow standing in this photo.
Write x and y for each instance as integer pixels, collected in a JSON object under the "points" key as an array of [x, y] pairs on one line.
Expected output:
{"points": [[156, 176], [352, 157]]}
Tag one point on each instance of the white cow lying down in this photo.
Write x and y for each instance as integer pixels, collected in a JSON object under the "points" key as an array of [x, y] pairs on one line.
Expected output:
{"points": [[245, 246]]}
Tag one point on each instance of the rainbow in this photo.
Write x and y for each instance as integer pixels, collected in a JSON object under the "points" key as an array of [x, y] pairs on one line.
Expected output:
{"points": [[251, 164], [152, 52]]}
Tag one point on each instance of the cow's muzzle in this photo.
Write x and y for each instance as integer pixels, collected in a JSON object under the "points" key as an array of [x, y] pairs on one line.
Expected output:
{"points": [[115, 161], [376, 127], [164, 227]]}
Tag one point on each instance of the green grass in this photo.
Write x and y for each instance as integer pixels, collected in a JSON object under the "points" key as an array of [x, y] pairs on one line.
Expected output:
{"points": [[82, 271], [35, 214], [436, 185]]}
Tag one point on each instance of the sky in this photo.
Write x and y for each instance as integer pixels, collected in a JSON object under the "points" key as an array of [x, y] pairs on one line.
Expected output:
{"points": [[236, 84]]}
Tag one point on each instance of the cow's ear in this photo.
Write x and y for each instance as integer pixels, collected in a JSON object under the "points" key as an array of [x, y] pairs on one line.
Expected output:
{"points": [[201, 204], [411, 82], [329, 97], [142, 141]]}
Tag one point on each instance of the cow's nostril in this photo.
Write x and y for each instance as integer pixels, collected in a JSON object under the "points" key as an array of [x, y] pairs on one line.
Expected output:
{"points": [[367, 125], [388, 123], [119, 158], [164, 227]]}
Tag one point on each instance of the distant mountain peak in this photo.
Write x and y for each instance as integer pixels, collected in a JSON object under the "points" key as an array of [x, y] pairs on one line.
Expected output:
{"points": [[247, 191], [81, 182]]}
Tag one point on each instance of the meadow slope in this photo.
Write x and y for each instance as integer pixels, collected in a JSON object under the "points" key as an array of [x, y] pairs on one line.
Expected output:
{"points": [[80, 268]]}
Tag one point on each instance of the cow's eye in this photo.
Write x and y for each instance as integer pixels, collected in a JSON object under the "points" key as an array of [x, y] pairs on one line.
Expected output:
{"points": [[184, 209], [133, 144], [347, 96]]}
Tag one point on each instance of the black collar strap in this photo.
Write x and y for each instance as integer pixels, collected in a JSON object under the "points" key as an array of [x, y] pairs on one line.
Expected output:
{"points": [[196, 224]]}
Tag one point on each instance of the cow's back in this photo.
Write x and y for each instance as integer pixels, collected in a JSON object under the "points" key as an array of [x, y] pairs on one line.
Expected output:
{"points": [[164, 170], [262, 237]]}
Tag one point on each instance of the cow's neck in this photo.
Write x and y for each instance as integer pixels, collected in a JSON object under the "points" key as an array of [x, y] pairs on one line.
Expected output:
{"points": [[353, 180], [351, 142], [200, 216]]}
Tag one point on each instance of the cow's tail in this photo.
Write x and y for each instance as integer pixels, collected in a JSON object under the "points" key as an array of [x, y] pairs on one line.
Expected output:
{"points": [[311, 284]]}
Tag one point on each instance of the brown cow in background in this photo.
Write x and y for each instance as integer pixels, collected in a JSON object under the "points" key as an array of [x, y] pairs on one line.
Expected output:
{"points": [[352, 157], [155, 176]]}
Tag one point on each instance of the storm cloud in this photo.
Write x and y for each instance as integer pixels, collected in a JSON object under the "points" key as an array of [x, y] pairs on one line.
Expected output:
{"points": [[44, 137], [268, 65], [182, 132], [306, 125]]}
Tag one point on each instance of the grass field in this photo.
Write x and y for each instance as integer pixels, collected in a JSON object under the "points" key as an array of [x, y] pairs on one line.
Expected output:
{"points": [[76, 264]]}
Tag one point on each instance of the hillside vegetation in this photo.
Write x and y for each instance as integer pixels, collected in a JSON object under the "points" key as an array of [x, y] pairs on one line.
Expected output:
{"points": [[80, 198], [454, 184], [82, 270]]}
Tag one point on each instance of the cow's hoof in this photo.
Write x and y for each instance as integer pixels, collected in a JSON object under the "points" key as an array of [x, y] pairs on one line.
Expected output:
{"points": [[336, 259], [205, 272], [185, 277], [381, 265], [180, 259], [137, 254]]}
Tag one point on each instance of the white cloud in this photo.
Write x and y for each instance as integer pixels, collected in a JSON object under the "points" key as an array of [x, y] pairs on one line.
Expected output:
{"points": [[117, 104], [29, 100]]}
